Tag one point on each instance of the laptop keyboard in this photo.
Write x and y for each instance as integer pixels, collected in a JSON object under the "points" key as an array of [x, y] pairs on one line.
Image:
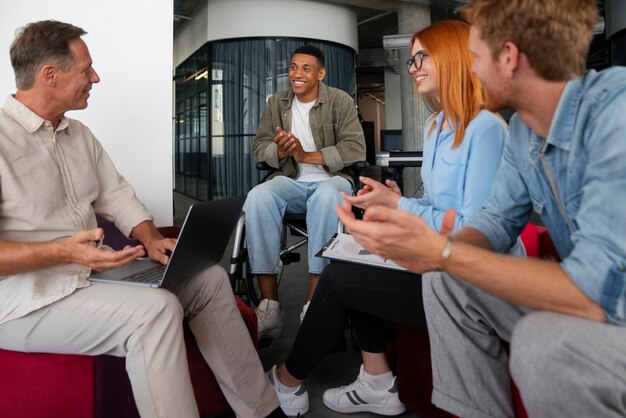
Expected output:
{"points": [[151, 275]]}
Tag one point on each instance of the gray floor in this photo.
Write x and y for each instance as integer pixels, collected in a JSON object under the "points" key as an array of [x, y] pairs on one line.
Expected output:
{"points": [[337, 369]]}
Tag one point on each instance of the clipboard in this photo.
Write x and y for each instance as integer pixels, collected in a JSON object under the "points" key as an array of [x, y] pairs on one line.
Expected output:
{"points": [[343, 247]]}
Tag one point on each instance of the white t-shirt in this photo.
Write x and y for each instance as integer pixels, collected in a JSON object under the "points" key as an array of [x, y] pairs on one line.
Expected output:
{"points": [[301, 128]]}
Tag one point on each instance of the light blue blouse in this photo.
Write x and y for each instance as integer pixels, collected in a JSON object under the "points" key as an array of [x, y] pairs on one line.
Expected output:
{"points": [[459, 178]]}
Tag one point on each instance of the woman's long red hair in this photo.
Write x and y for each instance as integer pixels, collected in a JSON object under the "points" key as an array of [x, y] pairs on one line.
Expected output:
{"points": [[461, 96]]}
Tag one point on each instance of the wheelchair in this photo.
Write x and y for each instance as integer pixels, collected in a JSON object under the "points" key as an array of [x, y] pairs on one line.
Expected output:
{"points": [[242, 279]]}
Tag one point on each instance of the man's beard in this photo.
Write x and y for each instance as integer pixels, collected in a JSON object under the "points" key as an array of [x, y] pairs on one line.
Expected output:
{"points": [[493, 101]]}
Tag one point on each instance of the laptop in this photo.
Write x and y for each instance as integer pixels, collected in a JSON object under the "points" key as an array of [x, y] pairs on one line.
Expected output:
{"points": [[203, 238]]}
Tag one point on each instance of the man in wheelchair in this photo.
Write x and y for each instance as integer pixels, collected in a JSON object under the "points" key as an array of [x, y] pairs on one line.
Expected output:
{"points": [[309, 134]]}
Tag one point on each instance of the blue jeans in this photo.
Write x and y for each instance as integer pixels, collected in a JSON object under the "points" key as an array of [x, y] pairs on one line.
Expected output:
{"points": [[266, 205]]}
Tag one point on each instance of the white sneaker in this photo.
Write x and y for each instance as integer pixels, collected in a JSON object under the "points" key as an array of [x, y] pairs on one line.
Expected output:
{"points": [[269, 316], [304, 309], [361, 397], [293, 404]]}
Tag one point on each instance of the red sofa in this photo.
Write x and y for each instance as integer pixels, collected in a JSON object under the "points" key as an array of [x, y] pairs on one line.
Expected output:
{"points": [[75, 386], [414, 372]]}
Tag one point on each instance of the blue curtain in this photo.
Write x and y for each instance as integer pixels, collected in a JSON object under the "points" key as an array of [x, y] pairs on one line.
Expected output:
{"points": [[242, 75]]}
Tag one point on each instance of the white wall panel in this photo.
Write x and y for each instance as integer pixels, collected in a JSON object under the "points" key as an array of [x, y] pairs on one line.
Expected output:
{"points": [[229, 19], [130, 110]]}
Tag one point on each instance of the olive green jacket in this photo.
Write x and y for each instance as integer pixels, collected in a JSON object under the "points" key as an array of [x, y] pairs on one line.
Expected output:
{"points": [[336, 131]]}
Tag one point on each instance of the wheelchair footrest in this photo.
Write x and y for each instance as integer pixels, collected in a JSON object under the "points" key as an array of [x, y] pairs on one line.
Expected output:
{"points": [[239, 259], [290, 258]]}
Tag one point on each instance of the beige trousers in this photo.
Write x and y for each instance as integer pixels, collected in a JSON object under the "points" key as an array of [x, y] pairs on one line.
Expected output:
{"points": [[145, 326]]}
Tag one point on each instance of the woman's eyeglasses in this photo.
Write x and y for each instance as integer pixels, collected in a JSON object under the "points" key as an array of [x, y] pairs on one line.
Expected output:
{"points": [[414, 60]]}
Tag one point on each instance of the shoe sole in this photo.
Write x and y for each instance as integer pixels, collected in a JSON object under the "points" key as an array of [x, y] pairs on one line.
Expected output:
{"points": [[380, 410], [294, 412]]}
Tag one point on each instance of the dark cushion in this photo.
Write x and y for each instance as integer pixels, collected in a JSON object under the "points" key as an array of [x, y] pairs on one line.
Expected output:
{"points": [[414, 371], [546, 246]]}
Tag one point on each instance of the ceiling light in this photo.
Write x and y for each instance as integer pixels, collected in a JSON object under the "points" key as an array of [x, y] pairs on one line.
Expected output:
{"points": [[204, 74], [396, 41]]}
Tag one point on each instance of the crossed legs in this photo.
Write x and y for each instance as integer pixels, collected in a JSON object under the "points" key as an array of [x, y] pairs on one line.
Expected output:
{"points": [[369, 295], [225, 343], [145, 326]]}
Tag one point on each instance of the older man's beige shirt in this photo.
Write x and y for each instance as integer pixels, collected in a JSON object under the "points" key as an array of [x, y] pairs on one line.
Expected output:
{"points": [[52, 183]]}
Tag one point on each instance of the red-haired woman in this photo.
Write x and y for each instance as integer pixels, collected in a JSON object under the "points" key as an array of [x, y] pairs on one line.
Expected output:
{"points": [[463, 145]]}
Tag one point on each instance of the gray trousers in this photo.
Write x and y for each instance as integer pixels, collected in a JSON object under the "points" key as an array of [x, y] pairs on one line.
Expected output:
{"points": [[145, 326], [562, 365]]}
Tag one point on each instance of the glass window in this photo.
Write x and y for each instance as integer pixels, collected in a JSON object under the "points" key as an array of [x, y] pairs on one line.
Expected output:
{"points": [[243, 73]]}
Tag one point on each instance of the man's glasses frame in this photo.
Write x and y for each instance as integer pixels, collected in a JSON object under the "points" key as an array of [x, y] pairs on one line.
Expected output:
{"points": [[413, 60]]}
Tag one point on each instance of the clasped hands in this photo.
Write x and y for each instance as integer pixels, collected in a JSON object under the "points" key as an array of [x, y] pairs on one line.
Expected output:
{"points": [[399, 235], [375, 193], [288, 145], [82, 248]]}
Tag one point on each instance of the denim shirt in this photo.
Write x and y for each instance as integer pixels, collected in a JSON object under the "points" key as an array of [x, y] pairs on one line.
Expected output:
{"points": [[459, 178], [585, 151]]}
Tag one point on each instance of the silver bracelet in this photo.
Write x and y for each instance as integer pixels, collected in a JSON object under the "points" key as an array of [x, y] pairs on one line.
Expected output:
{"points": [[447, 250]]}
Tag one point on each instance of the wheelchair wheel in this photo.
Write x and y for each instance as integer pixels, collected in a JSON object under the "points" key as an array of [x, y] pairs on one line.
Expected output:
{"points": [[252, 284], [252, 287], [243, 281], [239, 271]]}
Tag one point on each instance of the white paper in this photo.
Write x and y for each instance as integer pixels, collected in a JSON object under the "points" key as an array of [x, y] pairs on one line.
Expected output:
{"points": [[343, 247]]}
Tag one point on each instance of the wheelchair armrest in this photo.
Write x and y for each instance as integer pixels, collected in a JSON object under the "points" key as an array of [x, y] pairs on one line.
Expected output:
{"points": [[263, 166], [359, 167], [358, 170]]}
